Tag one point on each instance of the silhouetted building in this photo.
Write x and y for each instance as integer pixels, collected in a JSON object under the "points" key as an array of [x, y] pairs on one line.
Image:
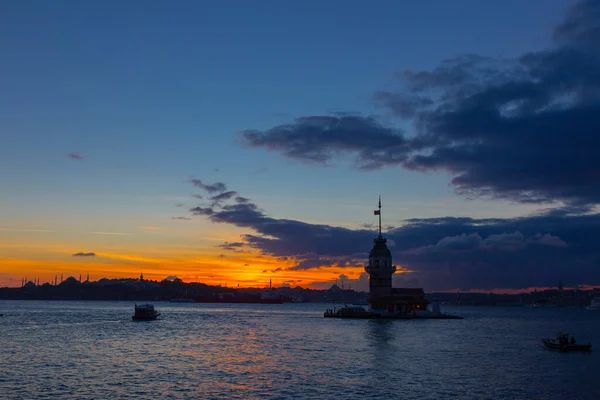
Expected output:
{"points": [[383, 299]]}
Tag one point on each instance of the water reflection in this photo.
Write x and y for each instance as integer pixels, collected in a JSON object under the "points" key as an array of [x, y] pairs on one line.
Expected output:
{"points": [[380, 332], [73, 350]]}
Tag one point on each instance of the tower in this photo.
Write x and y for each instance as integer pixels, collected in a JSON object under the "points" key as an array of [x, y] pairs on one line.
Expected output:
{"points": [[380, 269]]}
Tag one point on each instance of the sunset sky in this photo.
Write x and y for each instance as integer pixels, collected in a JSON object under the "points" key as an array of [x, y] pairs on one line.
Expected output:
{"points": [[235, 142]]}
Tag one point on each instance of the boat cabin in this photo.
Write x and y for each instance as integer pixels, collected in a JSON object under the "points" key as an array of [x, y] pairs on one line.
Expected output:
{"points": [[145, 312]]}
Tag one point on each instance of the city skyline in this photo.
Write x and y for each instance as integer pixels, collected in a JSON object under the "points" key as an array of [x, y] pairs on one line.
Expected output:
{"points": [[240, 147]]}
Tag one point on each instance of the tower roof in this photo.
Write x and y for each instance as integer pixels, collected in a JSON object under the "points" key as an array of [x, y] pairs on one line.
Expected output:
{"points": [[380, 249]]}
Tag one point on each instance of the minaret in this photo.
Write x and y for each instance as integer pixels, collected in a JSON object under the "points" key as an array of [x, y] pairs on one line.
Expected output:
{"points": [[380, 269]]}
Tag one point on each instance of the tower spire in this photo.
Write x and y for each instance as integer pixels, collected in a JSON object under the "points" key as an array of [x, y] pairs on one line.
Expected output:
{"points": [[379, 216], [378, 212]]}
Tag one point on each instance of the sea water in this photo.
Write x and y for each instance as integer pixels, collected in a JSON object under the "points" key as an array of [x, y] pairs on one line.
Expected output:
{"points": [[93, 350]]}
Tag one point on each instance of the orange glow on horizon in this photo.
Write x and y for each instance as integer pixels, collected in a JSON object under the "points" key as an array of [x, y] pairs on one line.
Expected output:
{"points": [[231, 269]]}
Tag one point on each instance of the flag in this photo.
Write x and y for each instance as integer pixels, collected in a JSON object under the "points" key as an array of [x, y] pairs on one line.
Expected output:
{"points": [[376, 212]]}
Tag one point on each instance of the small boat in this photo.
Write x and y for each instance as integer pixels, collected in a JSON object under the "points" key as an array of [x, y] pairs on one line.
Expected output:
{"points": [[145, 312], [562, 343]]}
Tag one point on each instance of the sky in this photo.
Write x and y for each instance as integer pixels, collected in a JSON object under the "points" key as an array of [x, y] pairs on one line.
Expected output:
{"points": [[236, 142]]}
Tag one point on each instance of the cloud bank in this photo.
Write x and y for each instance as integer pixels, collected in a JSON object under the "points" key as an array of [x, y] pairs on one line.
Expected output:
{"points": [[437, 253], [523, 129]]}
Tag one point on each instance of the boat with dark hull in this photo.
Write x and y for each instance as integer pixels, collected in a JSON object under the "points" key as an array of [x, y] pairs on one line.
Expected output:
{"points": [[145, 312], [563, 343], [553, 344]]}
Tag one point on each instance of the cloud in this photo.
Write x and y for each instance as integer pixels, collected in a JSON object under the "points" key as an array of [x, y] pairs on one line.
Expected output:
{"points": [[320, 138], [438, 253], [80, 254], [216, 199], [217, 187], [503, 241], [523, 129], [75, 156], [232, 246], [181, 218]]}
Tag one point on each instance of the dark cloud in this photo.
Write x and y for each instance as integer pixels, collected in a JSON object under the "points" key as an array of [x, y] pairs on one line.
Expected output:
{"points": [[75, 156], [524, 129], [581, 25], [232, 246], [181, 218], [439, 253], [179, 205], [217, 187], [80, 254], [216, 199], [504, 241], [201, 210], [198, 196], [320, 138]]}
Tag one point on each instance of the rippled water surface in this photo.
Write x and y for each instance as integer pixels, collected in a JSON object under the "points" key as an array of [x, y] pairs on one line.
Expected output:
{"points": [[92, 350]]}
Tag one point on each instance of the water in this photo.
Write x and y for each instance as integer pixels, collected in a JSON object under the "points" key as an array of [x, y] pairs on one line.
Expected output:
{"points": [[92, 350]]}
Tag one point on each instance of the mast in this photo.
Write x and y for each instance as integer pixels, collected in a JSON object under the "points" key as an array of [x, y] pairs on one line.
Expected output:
{"points": [[380, 216]]}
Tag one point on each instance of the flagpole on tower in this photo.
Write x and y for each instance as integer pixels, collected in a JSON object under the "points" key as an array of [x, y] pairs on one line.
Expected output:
{"points": [[379, 215]]}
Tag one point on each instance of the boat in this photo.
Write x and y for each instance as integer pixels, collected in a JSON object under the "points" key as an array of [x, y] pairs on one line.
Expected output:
{"points": [[145, 312], [594, 305], [562, 343]]}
